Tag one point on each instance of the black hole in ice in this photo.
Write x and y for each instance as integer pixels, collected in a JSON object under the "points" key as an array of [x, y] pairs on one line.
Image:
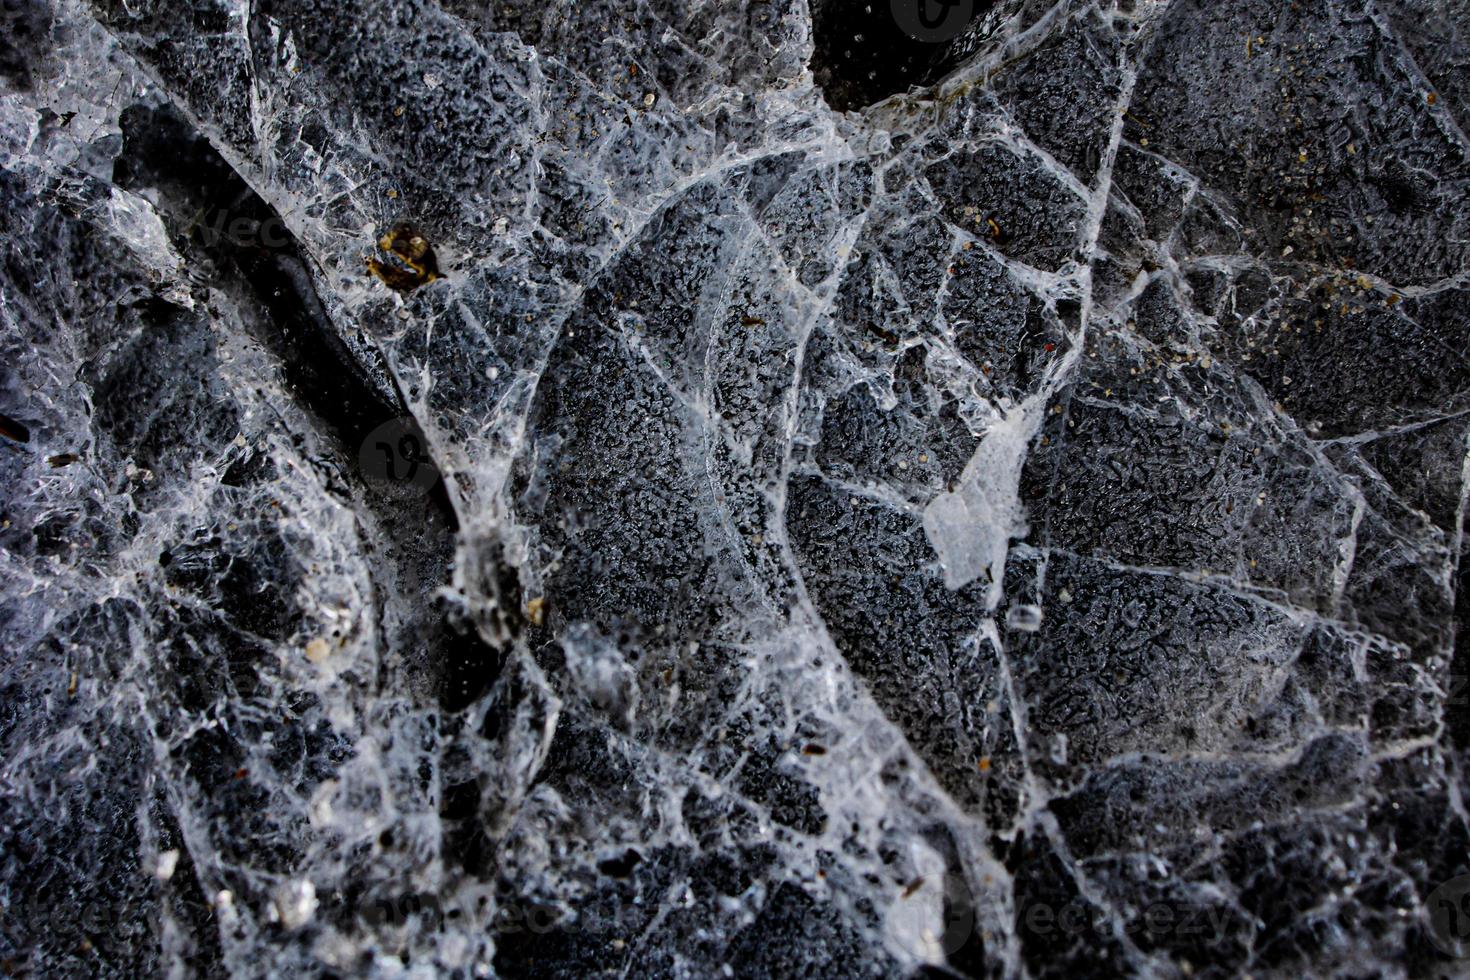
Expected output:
{"points": [[461, 801], [863, 54], [465, 840], [1070, 312], [470, 667], [622, 865]]}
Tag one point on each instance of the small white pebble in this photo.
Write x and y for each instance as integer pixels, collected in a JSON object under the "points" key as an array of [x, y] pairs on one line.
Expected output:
{"points": [[295, 903], [168, 862]]}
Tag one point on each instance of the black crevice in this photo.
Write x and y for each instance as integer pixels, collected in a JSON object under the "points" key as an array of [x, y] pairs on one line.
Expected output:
{"points": [[241, 242], [350, 390]]}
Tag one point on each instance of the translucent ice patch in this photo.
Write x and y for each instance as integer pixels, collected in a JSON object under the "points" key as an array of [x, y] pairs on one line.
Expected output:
{"points": [[971, 527]]}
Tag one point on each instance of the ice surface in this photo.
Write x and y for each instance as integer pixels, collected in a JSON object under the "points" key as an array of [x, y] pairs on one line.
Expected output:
{"points": [[970, 527], [847, 506]]}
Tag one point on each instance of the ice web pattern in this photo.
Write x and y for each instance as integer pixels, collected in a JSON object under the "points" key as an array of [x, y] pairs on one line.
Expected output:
{"points": [[1039, 491]]}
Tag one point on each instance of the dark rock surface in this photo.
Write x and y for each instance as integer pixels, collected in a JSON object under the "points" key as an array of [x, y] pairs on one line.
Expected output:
{"points": [[681, 488]]}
